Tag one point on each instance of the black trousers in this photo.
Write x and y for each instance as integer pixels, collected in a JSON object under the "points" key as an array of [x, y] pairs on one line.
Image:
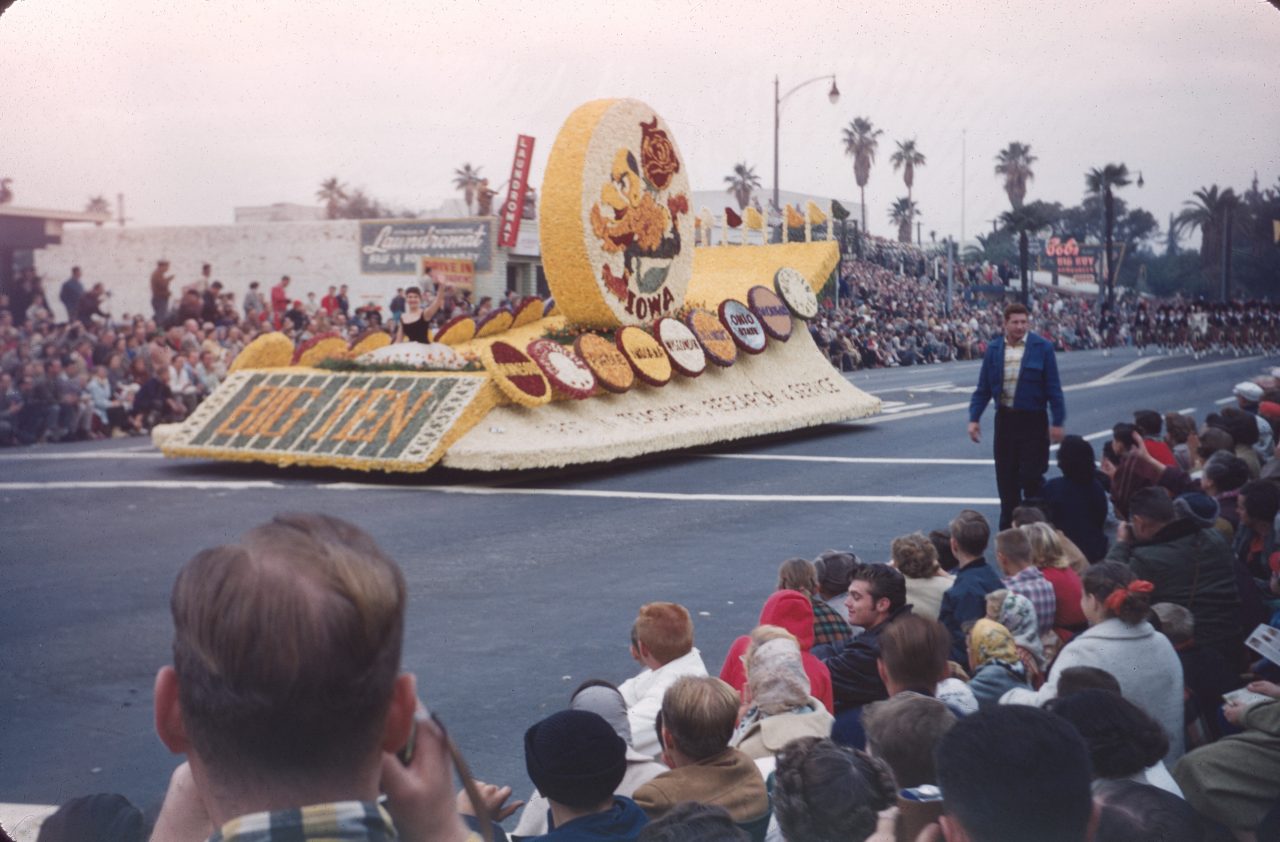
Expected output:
{"points": [[1022, 457]]}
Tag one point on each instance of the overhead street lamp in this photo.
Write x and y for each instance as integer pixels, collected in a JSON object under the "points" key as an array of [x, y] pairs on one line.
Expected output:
{"points": [[833, 95]]}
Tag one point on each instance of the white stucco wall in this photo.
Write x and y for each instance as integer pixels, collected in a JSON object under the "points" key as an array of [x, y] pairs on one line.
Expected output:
{"points": [[313, 254]]}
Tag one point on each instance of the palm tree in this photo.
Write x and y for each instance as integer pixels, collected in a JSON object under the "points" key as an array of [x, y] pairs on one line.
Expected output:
{"points": [[1024, 221], [333, 193], [1100, 182], [467, 179], [742, 183], [1210, 211], [860, 144], [6, 195], [907, 158], [1014, 163], [98, 204], [902, 213]]}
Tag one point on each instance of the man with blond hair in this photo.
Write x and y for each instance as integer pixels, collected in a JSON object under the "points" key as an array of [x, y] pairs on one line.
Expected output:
{"points": [[286, 696], [662, 642], [698, 716]]}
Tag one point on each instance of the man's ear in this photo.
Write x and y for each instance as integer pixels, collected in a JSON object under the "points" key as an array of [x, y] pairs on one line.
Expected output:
{"points": [[404, 704], [884, 673], [168, 712]]}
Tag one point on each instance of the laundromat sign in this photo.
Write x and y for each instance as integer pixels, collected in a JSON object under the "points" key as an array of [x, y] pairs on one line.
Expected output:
{"points": [[394, 247]]}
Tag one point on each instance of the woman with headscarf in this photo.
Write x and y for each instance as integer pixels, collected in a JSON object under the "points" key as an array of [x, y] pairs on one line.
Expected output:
{"points": [[1016, 613], [600, 697], [778, 705], [1076, 501], [996, 663]]}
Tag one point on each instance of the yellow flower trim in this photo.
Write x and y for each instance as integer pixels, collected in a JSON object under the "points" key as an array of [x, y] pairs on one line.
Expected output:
{"points": [[528, 312], [332, 347], [270, 350], [720, 273], [457, 331], [499, 321], [372, 342], [519, 377]]}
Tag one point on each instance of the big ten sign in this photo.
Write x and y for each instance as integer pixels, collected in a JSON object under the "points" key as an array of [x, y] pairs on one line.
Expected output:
{"points": [[394, 246], [391, 420], [1073, 259], [459, 274]]}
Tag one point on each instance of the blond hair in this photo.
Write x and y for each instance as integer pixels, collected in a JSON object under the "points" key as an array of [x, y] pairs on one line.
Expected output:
{"points": [[1046, 549]]}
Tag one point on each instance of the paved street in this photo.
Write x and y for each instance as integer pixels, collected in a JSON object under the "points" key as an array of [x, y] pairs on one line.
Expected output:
{"points": [[521, 586]]}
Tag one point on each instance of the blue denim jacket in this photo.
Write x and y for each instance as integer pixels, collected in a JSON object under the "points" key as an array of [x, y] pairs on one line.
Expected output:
{"points": [[1038, 383]]}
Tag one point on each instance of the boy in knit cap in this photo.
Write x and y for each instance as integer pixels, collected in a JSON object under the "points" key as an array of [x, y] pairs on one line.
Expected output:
{"points": [[576, 760]]}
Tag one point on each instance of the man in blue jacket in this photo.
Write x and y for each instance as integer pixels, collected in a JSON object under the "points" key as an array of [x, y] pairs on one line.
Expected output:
{"points": [[1020, 373]]}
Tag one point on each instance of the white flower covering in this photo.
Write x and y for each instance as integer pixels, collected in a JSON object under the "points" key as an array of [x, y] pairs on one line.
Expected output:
{"points": [[417, 355]]}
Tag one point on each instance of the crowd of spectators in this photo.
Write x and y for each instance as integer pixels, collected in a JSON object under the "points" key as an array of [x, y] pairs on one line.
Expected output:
{"points": [[74, 370], [1070, 679]]}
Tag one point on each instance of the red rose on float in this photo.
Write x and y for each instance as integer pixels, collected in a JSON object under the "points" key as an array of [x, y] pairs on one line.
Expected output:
{"points": [[657, 155]]}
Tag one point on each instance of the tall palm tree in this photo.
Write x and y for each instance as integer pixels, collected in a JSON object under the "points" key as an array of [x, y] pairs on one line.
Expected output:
{"points": [[1014, 163], [333, 193], [1101, 182], [903, 213], [1024, 221], [907, 158], [860, 144], [1210, 211], [742, 183], [467, 178]]}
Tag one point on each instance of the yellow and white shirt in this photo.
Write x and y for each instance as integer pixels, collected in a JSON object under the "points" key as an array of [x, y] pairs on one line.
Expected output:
{"points": [[1012, 366]]}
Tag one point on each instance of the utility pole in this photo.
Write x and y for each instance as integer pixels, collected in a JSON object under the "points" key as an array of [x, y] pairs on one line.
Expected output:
{"points": [[120, 208], [963, 156]]}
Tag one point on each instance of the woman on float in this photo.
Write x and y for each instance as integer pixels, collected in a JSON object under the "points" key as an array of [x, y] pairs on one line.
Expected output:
{"points": [[415, 324]]}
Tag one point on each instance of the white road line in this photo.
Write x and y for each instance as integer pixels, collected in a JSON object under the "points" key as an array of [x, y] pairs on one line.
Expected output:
{"points": [[848, 460], [1224, 401], [904, 408], [934, 410], [1123, 371], [1186, 411], [1091, 437], [497, 491], [83, 454]]}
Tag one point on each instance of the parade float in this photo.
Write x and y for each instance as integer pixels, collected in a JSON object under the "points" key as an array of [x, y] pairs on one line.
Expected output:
{"points": [[657, 341]]}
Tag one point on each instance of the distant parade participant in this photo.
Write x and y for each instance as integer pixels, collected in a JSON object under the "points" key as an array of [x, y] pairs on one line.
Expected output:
{"points": [[415, 324], [1020, 373], [1109, 328], [1142, 328]]}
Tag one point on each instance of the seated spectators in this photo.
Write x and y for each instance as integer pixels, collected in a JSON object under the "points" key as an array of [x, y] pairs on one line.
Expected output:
{"points": [[834, 571], [1015, 613], [903, 731], [1255, 544], [1179, 429], [603, 699], [662, 642], [777, 704], [1051, 561], [1122, 642], [793, 611], [1205, 675], [1066, 550], [877, 597], [1129, 811], [1014, 773], [1124, 742], [1150, 424], [296, 736], [1236, 780], [994, 662], [829, 625], [1013, 555], [697, 719], [965, 601], [917, 560], [577, 761], [690, 821], [1186, 564], [826, 791]]}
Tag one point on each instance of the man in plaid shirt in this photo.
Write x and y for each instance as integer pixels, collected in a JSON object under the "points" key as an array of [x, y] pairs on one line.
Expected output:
{"points": [[1013, 554], [286, 696]]}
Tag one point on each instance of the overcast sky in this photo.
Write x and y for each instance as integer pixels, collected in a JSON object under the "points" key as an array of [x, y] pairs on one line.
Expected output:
{"points": [[191, 108]]}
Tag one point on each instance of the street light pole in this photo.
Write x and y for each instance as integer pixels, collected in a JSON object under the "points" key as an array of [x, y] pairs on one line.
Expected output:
{"points": [[833, 95]]}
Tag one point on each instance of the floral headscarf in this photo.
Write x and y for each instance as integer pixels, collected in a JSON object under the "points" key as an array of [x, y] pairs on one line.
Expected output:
{"points": [[777, 677], [1016, 613], [991, 643]]}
